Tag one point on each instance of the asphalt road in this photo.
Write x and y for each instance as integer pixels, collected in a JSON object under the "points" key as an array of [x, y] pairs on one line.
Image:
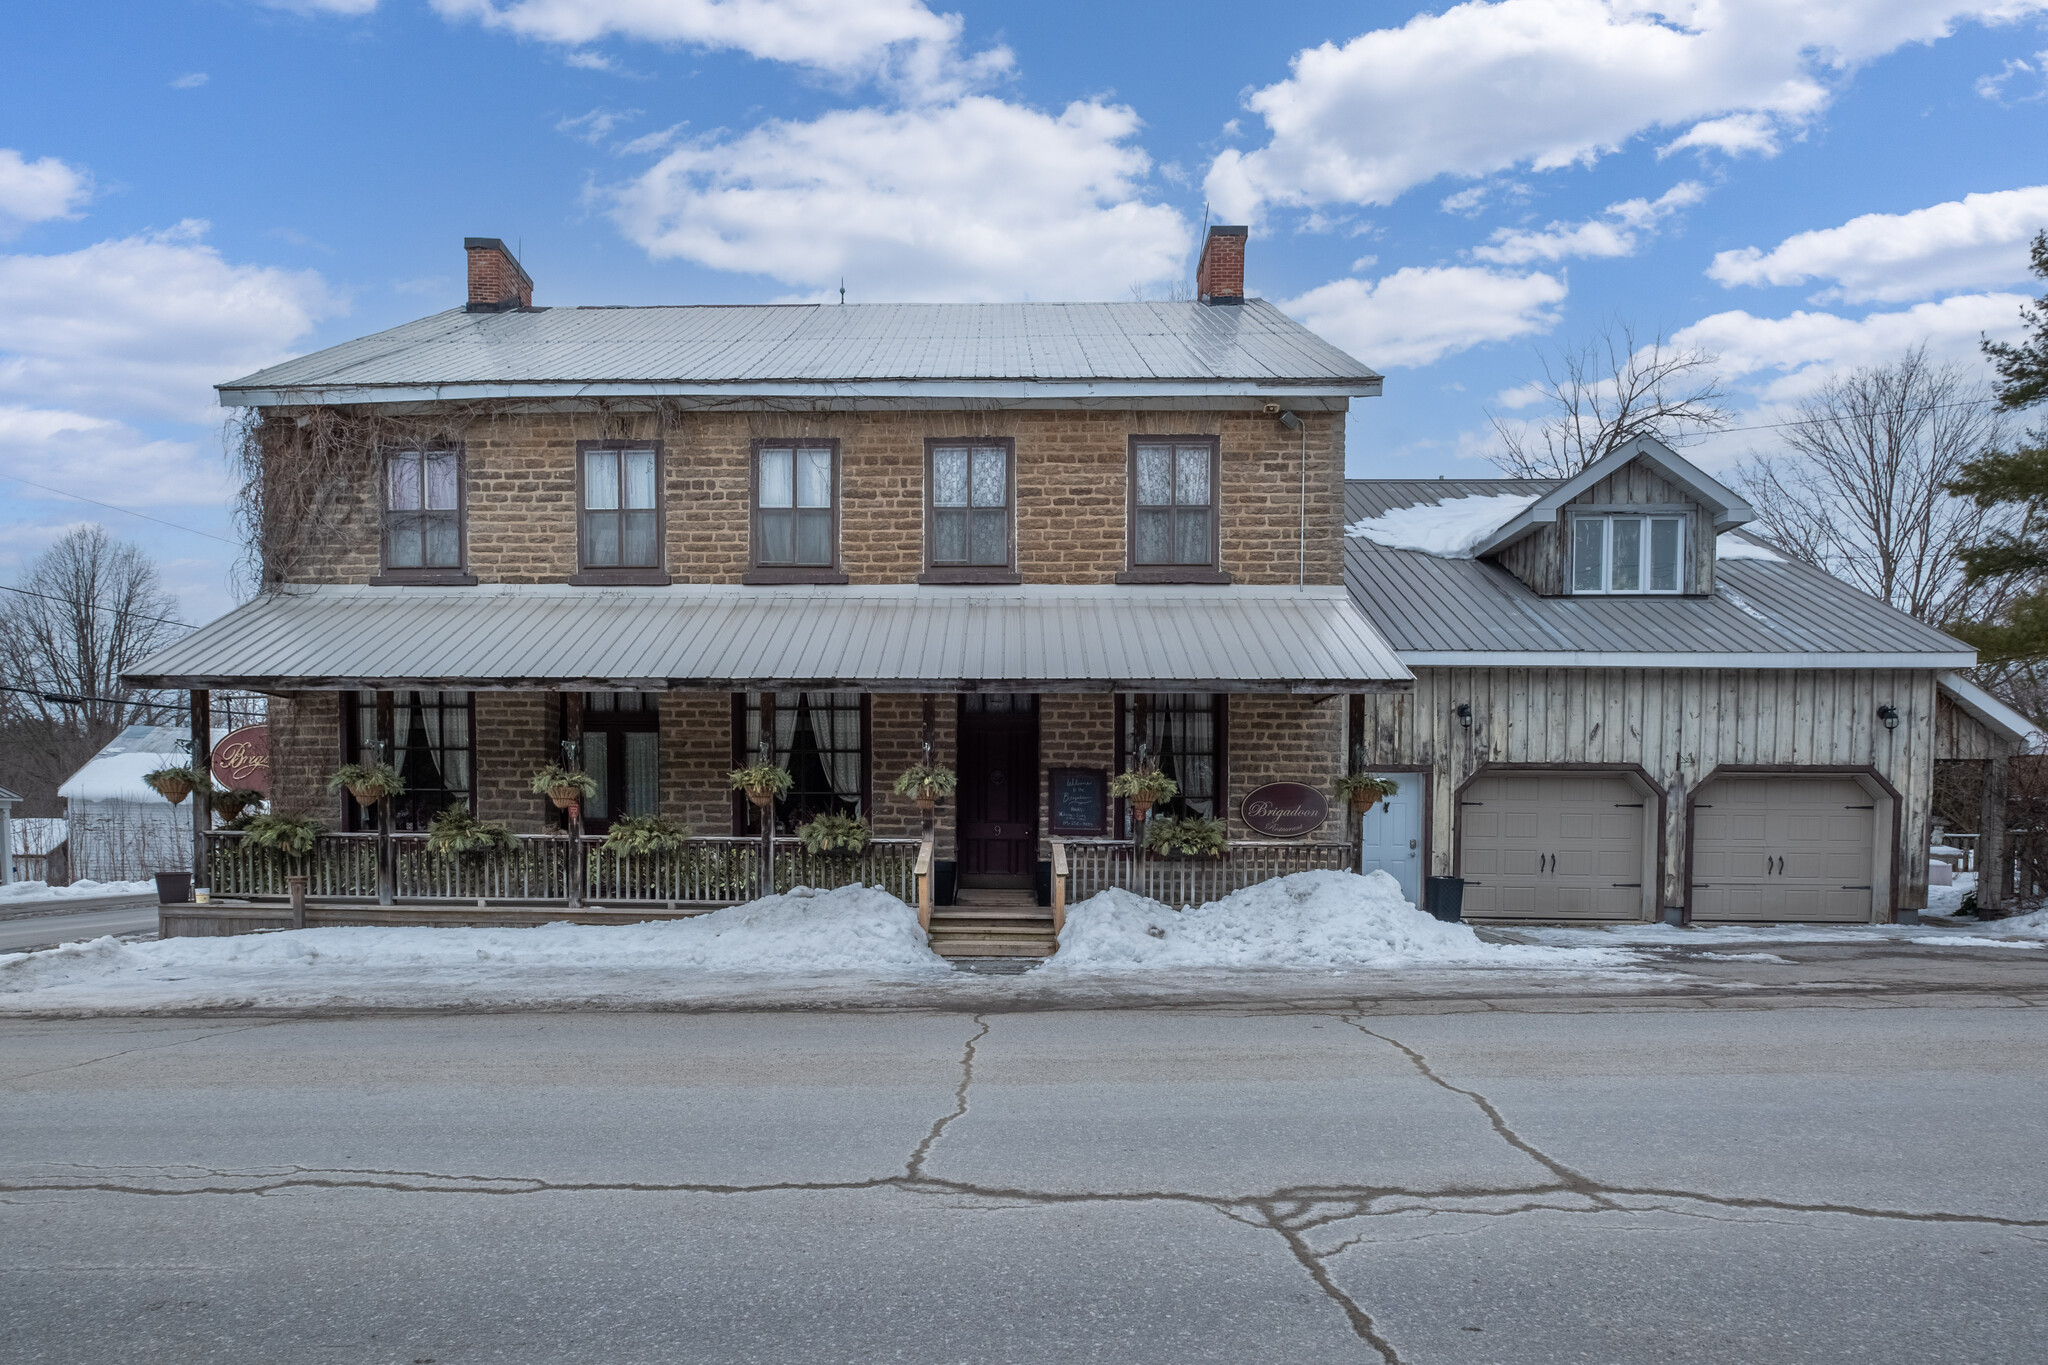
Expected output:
{"points": [[28, 932], [1740, 1179]]}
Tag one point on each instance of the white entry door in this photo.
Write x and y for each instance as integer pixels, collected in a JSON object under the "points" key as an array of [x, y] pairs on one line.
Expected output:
{"points": [[1393, 838]]}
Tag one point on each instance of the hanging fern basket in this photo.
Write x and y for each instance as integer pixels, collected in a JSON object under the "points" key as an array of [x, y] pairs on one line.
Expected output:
{"points": [[563, 797]]}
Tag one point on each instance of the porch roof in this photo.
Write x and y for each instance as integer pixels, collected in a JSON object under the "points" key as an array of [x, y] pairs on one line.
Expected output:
{"points": [[731, 638]]}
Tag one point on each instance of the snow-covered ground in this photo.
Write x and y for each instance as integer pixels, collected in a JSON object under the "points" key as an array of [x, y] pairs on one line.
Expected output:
{"points": [[36, 891], [1948, 900], [849, 932], [1311, 919]]}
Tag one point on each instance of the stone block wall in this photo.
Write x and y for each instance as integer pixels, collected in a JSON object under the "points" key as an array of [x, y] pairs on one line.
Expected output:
{"points": [[1075, 730], [305, 747], [1286, 739], [1072, 482], [516, 734]]}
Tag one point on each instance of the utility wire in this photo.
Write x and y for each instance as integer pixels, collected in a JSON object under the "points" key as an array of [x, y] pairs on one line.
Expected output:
{"points": [[142, 616], [71, 699], [129, 511]]}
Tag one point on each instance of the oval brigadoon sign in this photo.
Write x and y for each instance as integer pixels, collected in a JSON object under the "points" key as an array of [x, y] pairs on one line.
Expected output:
{"points": [[1285, 810], [242, 759]]}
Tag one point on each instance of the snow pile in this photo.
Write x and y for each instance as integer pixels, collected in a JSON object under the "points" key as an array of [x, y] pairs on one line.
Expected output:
{"points": [[1970, 941], [36, 891], [1728, 545], [1311, 919], [1450, 527], [850, 930], [1948, 900]]}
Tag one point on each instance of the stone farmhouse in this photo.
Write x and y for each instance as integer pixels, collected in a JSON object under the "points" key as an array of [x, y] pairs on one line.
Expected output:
{"points": [[1036, 544]]}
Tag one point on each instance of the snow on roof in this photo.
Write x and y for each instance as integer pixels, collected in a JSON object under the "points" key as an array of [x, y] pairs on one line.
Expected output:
{"points": [[1450, 527], [117, 777], [115, 772]]}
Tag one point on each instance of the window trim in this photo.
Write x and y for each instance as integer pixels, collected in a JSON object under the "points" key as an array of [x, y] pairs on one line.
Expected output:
{"points": [[611, 575], [440, 577], [936, 573], [1640, 512], [349, 729], [742, 808], [769, 574], [1219, 703], [1211, 572]]}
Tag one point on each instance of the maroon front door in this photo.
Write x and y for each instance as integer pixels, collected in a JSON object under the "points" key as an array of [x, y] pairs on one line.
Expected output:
{"points": [[998, 797]]}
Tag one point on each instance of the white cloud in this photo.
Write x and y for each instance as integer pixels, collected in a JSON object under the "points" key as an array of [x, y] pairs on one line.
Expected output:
{"points": [[110, 460], [1787, 357], [973, 200], [1618, 230], [2027, 74], [1485, 87], [191, 80], [146, 325], [1735, 135], [37, 191], [1419, 314], [900, 40], [1977, 242], [595, 126]]}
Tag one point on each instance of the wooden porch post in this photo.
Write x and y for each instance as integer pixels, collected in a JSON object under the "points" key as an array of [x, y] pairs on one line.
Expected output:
{"points": [[202, 792], [387, 742], [1993, 875], [572, 740]]}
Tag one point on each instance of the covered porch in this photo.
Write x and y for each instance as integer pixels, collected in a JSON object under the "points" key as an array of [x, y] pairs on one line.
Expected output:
{"points": [[1035, 697]]}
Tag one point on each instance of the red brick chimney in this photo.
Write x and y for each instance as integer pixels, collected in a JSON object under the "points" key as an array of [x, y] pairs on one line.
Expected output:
{"points": [[497, 283], [1220, 276]]}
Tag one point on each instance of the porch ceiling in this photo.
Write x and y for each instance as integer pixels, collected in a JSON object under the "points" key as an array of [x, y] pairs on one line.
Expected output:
{"points": [[729, 638]]}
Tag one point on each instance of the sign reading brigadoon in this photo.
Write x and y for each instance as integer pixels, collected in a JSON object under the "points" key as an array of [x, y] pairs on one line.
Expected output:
{"points": [[1285, 810], [242, 759]]}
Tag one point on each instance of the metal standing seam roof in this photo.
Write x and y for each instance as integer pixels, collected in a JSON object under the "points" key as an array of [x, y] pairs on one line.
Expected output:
{"points": [[729, 638], [1763, 614], [998, 350]]}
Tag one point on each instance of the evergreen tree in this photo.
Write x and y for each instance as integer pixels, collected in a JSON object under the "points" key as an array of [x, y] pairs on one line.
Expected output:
{"points": [[2016, 479]]}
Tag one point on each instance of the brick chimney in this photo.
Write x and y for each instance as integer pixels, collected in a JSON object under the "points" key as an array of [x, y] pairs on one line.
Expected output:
{"points": [[497, 283], [1220, 276]]}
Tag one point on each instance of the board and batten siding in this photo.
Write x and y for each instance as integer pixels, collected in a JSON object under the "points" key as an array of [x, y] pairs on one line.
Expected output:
{"points": [[1960, 735], [1677, 724]]}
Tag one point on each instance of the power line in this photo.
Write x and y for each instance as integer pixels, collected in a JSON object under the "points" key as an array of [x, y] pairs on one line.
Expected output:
{"points": [[1819, 421], [129, 511], [73, 699], [143, 616]]}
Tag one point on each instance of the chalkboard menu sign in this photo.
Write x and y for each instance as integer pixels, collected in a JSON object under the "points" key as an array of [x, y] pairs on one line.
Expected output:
{"points": [[1079, 801]]}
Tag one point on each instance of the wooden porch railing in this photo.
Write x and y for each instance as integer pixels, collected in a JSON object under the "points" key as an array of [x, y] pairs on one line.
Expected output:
{"points": [[703, 872], [1097, 864]]}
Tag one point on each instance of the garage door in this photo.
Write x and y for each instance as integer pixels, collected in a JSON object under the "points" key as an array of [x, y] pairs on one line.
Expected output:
{"points": [[1553, 846], [1783, 848]]}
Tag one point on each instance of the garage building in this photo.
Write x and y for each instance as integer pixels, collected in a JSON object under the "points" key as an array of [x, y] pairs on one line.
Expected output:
{"points": [[1627, 709]]}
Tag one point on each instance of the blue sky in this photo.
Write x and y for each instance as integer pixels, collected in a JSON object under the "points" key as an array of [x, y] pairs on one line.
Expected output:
{"points": [[190, 189]]}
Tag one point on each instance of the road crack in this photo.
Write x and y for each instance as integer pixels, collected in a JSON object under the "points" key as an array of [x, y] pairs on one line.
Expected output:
{"points": [[914, 1170]]}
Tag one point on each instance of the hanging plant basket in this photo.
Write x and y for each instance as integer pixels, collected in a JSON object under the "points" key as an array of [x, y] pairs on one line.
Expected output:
{"points": [[564, 786], [231, 803], [762, 782], [1143, 788], [368, 783], [1364, 790], [926, 785], [172, 784]]}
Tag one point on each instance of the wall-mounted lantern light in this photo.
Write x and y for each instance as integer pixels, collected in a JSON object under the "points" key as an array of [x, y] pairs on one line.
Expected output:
{"points": [[1465, 714], [1889, 714]]}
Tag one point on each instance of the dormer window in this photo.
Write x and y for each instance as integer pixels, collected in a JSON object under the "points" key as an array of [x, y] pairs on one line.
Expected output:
{"points": [[1622, 554]]}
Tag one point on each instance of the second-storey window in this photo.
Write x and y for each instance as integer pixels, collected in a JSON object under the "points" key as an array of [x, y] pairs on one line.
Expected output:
{"points": [[620, 516], [422, 510], [970, 487], [796, 506], [1173, 504], [1619, 554]]}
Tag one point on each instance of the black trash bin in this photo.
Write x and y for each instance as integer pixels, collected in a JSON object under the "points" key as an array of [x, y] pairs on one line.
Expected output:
{"points": [[173, 888], [1444, 897]]}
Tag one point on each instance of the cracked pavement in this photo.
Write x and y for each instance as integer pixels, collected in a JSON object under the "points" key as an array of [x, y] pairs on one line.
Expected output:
{"points": [[1565, 1179]]}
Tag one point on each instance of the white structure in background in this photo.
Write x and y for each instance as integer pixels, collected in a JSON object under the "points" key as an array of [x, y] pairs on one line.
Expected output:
{"points": [[36, 837], [118, 828]]}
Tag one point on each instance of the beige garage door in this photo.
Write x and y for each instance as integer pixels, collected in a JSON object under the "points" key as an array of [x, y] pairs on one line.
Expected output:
{"points": [[1553, 846], [1783, 848]]}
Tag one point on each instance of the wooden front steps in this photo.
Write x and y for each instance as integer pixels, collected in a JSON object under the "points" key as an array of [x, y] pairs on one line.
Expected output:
{"points": [[989, 923]]}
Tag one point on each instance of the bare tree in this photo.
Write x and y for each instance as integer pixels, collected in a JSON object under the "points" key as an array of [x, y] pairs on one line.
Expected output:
{"points": [[90, 608], [1606, 393], [1861, 487]]}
